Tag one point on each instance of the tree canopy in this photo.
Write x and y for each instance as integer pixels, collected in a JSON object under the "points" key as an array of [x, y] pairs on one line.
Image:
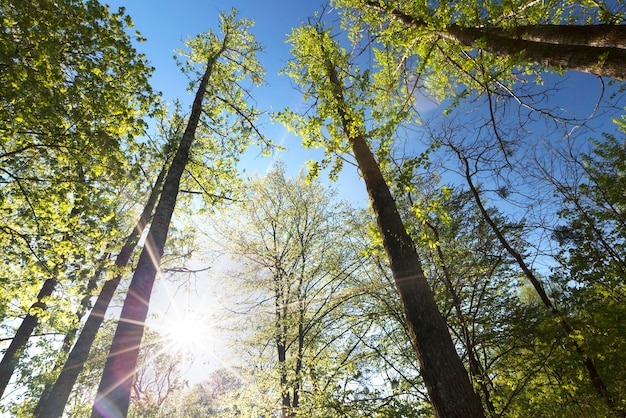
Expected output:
{"points": [[485, 276]]}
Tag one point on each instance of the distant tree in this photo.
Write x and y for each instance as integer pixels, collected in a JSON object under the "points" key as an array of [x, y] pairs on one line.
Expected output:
{"points": [[288, 239], [158, 377], [592, 259]]}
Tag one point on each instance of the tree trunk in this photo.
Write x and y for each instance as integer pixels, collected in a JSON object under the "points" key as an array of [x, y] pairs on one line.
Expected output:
{"points": [[70, 337], [602, 61], [28, 325], [595, 49], [52, 403], [112, 399], [19, 341], [445, 377]]}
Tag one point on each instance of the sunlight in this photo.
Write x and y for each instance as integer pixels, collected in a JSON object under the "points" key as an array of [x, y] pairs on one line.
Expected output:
{"points": [[188, 332]]}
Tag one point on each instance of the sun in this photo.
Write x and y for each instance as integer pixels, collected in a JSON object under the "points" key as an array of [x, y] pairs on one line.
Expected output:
{"points": [[192, 326], [187, 332]]}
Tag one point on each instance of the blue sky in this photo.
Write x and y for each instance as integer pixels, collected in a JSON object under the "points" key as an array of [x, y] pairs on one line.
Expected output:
{"points": [[166, 24]]}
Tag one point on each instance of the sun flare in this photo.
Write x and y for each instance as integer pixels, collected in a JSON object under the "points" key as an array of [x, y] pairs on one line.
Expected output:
{"points": [[187, 332]]}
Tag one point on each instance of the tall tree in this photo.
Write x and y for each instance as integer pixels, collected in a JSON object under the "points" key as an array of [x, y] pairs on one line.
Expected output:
{"points": [[227, 61], [53, 400], [73, 90], [592, 259], [322, 68], [449, 37]]}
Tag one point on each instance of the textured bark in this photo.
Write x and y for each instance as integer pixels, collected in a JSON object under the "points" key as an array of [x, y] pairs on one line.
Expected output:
{"points": [[602, 61], [52, 403], [25, 330], [595, 49], [608, 36], [113, 397], [445, 377]]}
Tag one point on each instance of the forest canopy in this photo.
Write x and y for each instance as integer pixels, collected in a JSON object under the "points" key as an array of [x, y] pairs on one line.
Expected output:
{"points": [[418, 210]]}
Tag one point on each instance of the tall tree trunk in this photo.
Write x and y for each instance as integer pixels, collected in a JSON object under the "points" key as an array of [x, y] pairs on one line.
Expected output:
{"points": [[28, 325], [25, 330], [596, 380], [70, 337], [112, 399], [595, 49], [446, 379], [52, 403]]}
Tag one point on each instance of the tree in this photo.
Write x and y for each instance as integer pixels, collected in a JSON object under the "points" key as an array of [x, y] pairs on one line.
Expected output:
{"points": [[321, 67], [158, 376], [227, 61], [287, 237], [69, 70], [592, 261], [451, 38], [52, 401]]}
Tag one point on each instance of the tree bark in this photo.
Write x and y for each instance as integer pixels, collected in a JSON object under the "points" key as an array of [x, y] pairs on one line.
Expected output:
{"points": [[445, 377], [113, 397], [595, 49], [70, 337], [602, 61], [52, 403]]}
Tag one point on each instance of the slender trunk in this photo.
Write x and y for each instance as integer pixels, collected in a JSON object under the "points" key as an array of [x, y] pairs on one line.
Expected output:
{"points": [[25, 330], [69, 338], [112, 399], [595, 49], [281, 307], [446, 379], [596, 380], [28, 325], [52, 404]]}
